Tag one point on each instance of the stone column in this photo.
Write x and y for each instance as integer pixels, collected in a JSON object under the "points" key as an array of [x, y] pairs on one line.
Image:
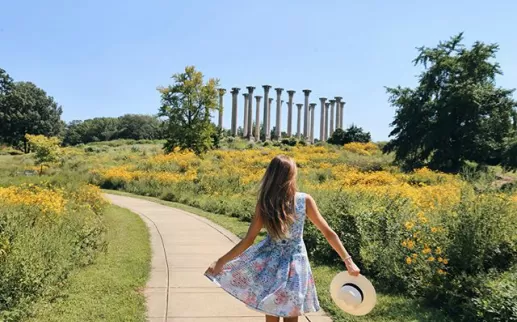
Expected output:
{"points": [[290, 113], [306, 113], [257, 125], [250, 108], [278, 112], [327, 106], [266, 110], [245, 123], [338, 108], [235, 92], [341, 112], [299, 123], [222, 91], [331, 127], [269, 119], [322, 118], [312, 107], [249, 134]]}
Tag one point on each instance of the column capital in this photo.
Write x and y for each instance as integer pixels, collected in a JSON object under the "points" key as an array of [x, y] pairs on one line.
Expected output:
{"points": [[221, 91], [306, 92], [327, 105], [343, 103], [266, 87], [250, 88], [258, 97], [323, 99], [245, 94], [299, 106], [332, 101], [235, 90], [312, 105], [279, 90], [270, 99], [291, 92], [338, 98]]}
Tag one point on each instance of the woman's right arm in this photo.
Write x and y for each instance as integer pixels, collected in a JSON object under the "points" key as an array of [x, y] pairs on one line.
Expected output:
{"points": [[317, 219]]}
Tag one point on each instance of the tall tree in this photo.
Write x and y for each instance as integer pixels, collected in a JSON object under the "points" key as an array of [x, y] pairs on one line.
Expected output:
{"points": [[186, 105], [27, 109], [456, 113]]}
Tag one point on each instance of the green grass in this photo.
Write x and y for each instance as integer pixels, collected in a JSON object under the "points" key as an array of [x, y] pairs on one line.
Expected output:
{"points": [[390, 308], [109, 289]]}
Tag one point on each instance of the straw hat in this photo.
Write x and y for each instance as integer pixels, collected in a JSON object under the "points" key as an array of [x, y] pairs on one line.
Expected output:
{"points": [[353, 294]]}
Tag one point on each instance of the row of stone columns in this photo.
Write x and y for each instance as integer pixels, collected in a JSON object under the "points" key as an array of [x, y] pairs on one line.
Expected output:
{"points": [[331, 114]]}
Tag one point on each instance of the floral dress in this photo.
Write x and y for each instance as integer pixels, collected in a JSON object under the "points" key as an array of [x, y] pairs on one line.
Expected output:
{"points": [[274, 276]]}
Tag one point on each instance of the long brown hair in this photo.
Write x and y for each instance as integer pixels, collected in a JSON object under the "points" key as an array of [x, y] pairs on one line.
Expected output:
{"points": [[276, 196]]}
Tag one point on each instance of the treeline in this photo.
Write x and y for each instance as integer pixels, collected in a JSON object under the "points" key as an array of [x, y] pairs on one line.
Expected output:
{"points": [[27, 109], [129, 126]]}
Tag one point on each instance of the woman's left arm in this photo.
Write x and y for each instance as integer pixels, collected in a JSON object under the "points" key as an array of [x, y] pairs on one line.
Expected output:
{"points": [[247, 241]]}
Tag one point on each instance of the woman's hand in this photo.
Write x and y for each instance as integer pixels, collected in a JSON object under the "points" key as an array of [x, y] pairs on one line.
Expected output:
{"points": [[351, 267], [214, 269]]}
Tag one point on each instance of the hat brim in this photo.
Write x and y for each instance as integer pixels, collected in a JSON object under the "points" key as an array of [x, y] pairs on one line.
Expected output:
{"points": [[369, 294]]}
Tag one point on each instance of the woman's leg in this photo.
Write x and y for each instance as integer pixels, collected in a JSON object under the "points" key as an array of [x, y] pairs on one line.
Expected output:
{"points": [[270, 318], [294, 319]]}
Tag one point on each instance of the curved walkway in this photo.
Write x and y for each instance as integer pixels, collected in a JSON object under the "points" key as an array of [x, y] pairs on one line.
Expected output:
{"points": [[183, 246]]}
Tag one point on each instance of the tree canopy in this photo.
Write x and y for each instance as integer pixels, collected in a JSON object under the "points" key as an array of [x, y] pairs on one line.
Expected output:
{"points": [[26, 109], [352, 134], [456, 113], [186, 106]]}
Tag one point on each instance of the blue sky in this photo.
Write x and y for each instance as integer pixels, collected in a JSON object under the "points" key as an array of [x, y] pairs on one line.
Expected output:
{"points": [[106, 58]]}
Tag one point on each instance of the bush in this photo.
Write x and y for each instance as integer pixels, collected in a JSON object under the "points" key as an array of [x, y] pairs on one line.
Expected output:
{"points": [[497, 298], [42, 239], [289, 141]]}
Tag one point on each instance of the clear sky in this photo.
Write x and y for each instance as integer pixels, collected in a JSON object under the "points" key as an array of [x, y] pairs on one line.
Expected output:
{"points": [[106, 58]]}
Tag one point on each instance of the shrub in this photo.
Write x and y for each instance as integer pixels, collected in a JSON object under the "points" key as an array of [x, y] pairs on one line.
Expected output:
{"points": [[44, 234]]}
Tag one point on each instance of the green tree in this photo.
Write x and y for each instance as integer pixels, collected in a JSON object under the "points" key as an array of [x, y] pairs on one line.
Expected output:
{"points": [[139, 127], [26, 109], [352, 134], [186, 106], [6, 84], [47, 150], [456, 113]]}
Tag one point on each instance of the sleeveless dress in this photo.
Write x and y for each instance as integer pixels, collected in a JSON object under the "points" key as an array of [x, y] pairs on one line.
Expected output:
{"points": [[274, 276]]}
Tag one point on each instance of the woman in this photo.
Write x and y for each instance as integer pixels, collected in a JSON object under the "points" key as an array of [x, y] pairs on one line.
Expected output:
{"points": [[274, 276]]}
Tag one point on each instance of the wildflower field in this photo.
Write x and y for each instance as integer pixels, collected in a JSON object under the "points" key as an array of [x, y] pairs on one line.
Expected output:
{"points": [[429, 234], [57, 233], [45, 233], [449, 239]]}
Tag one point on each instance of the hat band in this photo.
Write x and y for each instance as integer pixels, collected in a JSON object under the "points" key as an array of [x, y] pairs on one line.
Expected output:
{"points": [[357, 288]]}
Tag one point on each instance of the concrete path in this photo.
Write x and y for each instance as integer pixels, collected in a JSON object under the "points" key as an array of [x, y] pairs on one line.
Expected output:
{"points": [[183, 246]]}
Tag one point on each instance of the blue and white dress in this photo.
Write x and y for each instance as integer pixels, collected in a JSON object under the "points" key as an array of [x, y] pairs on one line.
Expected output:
{"points": [[274, 276]]}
